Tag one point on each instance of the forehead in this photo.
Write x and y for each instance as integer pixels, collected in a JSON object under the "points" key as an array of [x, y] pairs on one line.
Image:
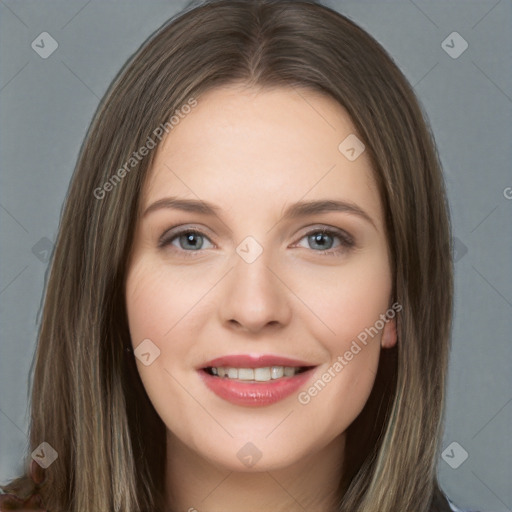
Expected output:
{"points": [[247, 148]]}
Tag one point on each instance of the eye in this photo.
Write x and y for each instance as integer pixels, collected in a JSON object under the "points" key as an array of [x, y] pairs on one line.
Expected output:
{"points": [[322, 241], [188, 240]]}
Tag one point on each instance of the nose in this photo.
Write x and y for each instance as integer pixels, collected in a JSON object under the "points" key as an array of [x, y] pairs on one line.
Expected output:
{"points": [[254, 296]]}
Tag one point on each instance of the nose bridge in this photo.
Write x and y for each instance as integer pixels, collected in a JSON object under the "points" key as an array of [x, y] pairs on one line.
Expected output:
{"points": [[254, 296]]}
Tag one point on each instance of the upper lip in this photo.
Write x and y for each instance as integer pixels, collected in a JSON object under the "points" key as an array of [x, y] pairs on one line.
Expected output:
{"points": [[253, 361]]}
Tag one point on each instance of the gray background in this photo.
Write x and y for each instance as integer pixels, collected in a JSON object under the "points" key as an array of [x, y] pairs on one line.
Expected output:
{"points": [[46, 106]]}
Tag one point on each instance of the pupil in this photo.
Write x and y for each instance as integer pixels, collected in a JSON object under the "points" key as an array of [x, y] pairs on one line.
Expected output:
{"points": [[317, 239], [190, 239]]}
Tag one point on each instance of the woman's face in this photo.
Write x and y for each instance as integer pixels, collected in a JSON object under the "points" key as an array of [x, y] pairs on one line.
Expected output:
{"points": [[258, 285]]}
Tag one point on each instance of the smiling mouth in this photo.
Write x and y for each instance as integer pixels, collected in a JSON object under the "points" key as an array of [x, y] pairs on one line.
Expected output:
{"points": [[262, 374], [252, 384]]}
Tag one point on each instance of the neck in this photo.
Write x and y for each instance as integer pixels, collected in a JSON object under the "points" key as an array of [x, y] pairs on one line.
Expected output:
{"points": [[195, 484]]}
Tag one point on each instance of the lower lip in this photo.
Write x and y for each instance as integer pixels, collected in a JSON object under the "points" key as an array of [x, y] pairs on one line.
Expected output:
{"points": [[255, 394]]}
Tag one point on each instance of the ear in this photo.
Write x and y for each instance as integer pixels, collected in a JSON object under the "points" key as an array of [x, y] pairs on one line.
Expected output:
{"points": [[389, 336]]}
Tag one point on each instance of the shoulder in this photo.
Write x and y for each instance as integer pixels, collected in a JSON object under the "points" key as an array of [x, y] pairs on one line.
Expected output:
{"points": [[22, 492], [13, 502]]}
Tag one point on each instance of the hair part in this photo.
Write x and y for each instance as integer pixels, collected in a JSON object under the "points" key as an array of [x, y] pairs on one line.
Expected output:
{"points": [[88, 401]]}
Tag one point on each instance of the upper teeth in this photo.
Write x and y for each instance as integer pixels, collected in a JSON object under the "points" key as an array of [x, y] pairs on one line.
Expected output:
{"points": [[258, 374]]}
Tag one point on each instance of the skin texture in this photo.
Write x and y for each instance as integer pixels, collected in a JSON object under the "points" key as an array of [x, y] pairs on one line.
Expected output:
{"points": [[253, 153]]}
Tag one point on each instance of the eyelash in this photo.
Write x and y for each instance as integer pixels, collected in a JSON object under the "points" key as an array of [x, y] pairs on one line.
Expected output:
{"points": [[346, 241]]}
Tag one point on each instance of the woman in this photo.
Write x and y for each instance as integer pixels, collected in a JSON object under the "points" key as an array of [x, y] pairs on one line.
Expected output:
{"points": [[294, 356]]}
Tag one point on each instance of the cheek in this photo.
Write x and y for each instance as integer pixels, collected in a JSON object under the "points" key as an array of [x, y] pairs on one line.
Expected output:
{"points": [[157, 311], [153, 311], [346, 302], [166, 308], [349, 302], [156, 303]]}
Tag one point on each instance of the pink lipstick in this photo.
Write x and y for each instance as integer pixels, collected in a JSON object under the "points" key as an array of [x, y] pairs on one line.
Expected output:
{"points": [[254, 380]]}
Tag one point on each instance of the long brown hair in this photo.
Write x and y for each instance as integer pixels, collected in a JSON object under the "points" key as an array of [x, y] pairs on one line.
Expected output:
{"points": [[88, 401]]}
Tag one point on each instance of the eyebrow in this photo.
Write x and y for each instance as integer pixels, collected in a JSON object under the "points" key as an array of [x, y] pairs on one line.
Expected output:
{"points": [[296, 210]]}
